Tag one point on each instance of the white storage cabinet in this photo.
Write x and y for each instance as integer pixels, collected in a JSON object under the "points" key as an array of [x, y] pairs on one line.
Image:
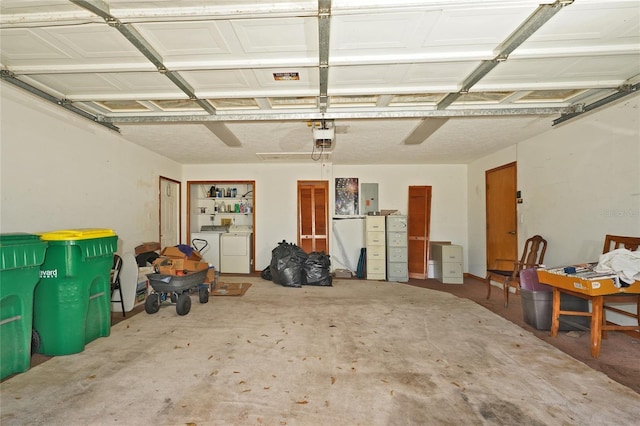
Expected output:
{"points": [[448, 263]]}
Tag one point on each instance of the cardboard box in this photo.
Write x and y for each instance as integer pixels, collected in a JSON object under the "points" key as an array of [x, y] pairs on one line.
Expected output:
{"points": [[175, 253], [342, 273], [211, 276], [147, 247], [230, 289], [190, 265], [172, 266]]}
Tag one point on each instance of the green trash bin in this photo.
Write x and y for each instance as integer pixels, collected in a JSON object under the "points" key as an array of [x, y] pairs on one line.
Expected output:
{"points": [[73, 299], [20, 258]]}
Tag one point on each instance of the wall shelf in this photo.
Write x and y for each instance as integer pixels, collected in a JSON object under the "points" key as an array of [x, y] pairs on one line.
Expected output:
{"points": [[201, 206]]}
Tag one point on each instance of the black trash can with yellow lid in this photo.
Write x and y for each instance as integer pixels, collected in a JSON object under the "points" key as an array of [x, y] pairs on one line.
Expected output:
{"points": [[72, 299]]}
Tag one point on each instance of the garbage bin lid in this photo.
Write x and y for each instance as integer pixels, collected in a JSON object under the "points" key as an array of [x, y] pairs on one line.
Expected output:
{"points": [[77, 234], [18, 238], [21, 250]]}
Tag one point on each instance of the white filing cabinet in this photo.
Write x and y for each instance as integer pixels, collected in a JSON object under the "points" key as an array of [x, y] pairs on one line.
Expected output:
{"points": [[376, 248], [397, 254], [448, 263]]}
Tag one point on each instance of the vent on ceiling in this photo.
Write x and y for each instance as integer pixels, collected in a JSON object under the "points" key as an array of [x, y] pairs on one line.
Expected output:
{"points": [[293, 156]]}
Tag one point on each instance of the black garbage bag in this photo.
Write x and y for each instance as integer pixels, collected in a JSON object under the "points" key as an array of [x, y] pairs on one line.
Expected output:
{"points": [[146, 258], [317, 269], [286, 264], [266, 274]]}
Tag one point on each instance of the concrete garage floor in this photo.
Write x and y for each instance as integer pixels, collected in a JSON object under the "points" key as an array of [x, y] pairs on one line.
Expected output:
{"points": [[620, 352], [360, 352]]}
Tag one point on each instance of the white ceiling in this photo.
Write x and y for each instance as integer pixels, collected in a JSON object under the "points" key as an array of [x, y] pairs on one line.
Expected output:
{"points": [[158, 71]]}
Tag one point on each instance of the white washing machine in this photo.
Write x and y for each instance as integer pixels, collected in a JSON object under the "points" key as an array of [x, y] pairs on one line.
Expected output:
{"points": [[211, 253], [235, 250]]}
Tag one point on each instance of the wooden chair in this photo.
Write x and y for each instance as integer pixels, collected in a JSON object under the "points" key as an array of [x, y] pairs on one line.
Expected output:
{"points": [[532, 256], [612, 242]]}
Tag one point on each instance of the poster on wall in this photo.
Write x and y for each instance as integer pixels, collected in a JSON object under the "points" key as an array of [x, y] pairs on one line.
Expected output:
{"points": [[346, 196]]}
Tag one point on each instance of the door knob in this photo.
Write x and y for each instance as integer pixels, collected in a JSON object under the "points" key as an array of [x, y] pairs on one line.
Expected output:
{"points": [[512, 232]]}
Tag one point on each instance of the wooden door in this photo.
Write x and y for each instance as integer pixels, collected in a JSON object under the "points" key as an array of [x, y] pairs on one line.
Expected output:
{"points": [[313, 216], [418, 229], [169, 212], [502, 224]]}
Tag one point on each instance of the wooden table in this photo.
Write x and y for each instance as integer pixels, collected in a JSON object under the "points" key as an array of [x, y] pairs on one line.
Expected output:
{"points": [[592, 289]]}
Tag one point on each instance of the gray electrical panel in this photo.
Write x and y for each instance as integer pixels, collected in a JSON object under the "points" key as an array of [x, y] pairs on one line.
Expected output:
{"points": [[369, 201]]}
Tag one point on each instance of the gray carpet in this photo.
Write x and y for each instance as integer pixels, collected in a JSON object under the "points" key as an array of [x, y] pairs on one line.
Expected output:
{"points": [[358, 353]]}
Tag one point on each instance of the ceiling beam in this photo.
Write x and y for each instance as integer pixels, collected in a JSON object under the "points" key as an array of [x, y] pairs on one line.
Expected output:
{"points": [[425, 129], [223, 133], [623, 91], [342, 115], [537, 19], [324, 32], [101, 9], [9, 77]]}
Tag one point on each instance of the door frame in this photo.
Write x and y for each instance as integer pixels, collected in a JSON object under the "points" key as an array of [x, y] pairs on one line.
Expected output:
{"points": [[162, 179], [426, 238], [510, 246], [324, 184]]}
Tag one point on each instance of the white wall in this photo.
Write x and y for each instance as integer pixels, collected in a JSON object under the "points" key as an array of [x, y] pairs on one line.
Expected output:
{"points": [[580, 180], [276, 197], [449, 194], [60, 171]]}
